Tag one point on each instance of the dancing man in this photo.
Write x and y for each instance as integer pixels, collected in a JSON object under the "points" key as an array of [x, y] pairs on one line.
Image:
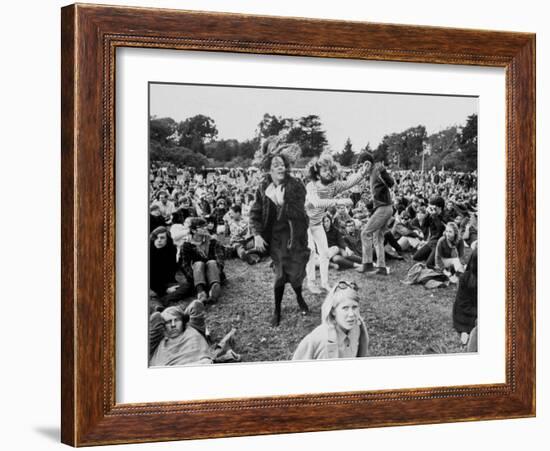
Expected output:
{"points": [[373, 231], [321, 194]]}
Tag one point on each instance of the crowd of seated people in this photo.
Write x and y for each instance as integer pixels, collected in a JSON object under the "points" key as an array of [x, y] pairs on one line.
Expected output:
{"points": [[199, 219]]}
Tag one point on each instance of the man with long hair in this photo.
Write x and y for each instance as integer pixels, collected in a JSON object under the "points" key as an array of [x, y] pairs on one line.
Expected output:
{"points": [[322, 191]]}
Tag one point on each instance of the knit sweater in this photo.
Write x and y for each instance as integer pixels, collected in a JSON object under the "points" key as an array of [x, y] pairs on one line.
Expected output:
{"points": [[319, 196]]}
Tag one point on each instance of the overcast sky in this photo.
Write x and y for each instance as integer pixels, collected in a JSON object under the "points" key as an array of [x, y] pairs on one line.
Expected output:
{"points": [[361, 116]]}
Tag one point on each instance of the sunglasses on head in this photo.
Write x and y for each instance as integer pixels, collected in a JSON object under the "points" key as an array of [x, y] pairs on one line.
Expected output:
{"points": [[342, 285]]}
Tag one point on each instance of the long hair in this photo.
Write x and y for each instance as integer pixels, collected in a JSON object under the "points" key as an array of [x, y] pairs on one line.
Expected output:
{"points": [[155, 233], [453, 226], [268, 159], [324, 161]]}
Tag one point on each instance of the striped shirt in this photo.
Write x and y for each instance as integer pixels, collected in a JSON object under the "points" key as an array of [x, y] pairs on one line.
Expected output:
{"points": [[319, 197]]}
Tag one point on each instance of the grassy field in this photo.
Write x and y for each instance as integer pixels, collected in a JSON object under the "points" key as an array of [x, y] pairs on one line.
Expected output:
{"points": [[401, 319]]}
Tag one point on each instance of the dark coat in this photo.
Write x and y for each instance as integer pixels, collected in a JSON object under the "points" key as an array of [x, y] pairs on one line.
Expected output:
{"points": [[465, 306], [263, 213], [380, 183], [284, 229], [162, 267], [436, 228], [156, 221], [335, 237]]}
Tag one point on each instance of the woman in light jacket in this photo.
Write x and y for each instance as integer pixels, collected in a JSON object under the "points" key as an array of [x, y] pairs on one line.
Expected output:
{"points": [[342, 332]]}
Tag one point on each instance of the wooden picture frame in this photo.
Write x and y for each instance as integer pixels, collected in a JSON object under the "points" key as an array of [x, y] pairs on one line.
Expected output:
{"points": [[90, 36]]}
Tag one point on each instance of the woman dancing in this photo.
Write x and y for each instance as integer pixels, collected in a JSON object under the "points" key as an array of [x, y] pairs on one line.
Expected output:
{"points": [[279, 222]]}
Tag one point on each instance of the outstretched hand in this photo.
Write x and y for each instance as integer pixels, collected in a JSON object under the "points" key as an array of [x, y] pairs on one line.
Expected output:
{"points": [[172, 289]]}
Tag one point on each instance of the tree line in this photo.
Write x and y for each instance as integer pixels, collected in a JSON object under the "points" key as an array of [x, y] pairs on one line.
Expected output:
{"points": [[193, 142]]}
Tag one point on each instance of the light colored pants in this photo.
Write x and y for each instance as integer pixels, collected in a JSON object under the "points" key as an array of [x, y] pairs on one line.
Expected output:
{"points": [[408, 242], [454, 262], [316, 236], [332, 252], [373, 234]]}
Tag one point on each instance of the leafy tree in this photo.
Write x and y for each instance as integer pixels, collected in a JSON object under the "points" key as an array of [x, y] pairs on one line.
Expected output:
{"points": [[195, 131], [309, 134], [405, 148], [468, 142], [226, 150], [347, 156], [179, 156], [381, 152], [439, 145], [271, 125], [248, 148], [443, 141], [161, 129]]}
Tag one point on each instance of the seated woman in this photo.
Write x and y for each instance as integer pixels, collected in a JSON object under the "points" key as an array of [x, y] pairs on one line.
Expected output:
{"points": [[342, 332], [163, 287], [449, 250], [465, 305], [184, 343], [202, 261]]}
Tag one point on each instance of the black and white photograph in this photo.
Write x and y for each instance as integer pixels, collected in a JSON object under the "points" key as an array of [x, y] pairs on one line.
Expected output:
{"points": [[305, 224]]}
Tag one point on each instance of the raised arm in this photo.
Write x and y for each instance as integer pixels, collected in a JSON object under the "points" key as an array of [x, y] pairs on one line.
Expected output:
{"points": [[347, 184]]}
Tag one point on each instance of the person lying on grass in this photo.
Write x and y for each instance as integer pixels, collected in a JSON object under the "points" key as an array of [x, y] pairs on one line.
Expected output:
{"points": [[183, 341], [342, 332]]}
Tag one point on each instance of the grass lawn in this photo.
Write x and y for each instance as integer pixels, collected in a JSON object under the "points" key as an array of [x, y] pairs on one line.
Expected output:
{"points": [[401, 319]]}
